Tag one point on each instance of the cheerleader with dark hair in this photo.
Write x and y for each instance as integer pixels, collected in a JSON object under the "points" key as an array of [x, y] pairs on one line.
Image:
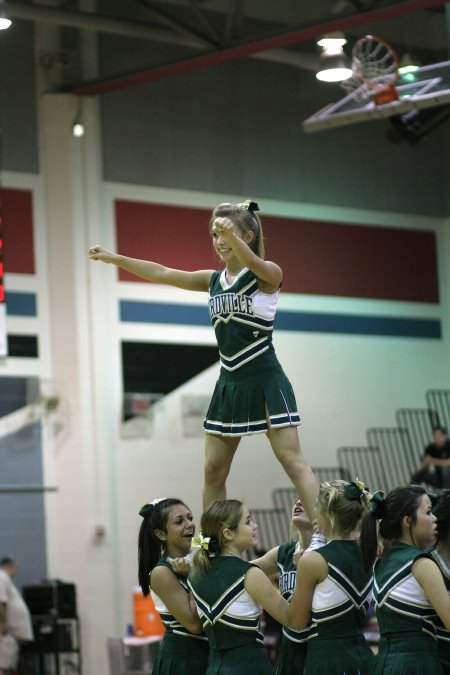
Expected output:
{"points": [[441, 555], [166, 534], [408, 587]]}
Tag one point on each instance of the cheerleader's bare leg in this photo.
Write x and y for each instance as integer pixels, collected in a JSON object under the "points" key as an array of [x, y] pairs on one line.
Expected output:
{"points": [[286, 447], [219, 453]]}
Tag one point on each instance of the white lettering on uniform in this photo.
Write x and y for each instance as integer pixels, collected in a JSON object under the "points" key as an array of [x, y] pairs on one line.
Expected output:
{"points": [[227, 303]]}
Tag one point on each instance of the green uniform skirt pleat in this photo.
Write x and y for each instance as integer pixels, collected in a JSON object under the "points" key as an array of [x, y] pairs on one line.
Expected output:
{"points": [[181, 655], [252, 398], [411, 654], [245, 660], [292, 657], [342, 656], [444, 656]]}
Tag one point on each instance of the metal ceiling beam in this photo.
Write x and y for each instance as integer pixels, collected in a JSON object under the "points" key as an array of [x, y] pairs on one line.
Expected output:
{"points": [[228, 30], [177, 25], [103, 24], [207, 25], [242, 50]]}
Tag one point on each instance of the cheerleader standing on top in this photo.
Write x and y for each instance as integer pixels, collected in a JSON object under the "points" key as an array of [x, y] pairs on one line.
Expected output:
{"points": [[252, 395]]}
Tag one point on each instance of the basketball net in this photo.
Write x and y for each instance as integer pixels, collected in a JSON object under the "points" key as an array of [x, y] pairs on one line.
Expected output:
{"points": [[375, 71]]}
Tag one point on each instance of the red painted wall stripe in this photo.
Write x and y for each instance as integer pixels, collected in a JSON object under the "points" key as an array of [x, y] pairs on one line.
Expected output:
{"points": [[318, 258], [359, 261], [18, 239], [172, 235]]}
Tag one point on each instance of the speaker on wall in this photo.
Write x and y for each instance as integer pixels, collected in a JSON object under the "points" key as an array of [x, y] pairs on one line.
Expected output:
{"points": [[51, 598]]}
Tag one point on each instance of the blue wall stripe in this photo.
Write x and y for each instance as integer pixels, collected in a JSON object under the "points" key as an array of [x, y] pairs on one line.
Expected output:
{"points": [[20, 304], [317, 322], [358, 324], [158, 312]]}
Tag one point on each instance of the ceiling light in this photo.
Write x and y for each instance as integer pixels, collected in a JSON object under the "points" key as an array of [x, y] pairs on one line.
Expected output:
{"points": [[332, 41], [334, 64], [408, 67], [334, 69], [5, 22], [78, 129]]}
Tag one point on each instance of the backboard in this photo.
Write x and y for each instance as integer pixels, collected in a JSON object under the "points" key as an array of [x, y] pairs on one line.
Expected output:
{"points": [[427, 87]]}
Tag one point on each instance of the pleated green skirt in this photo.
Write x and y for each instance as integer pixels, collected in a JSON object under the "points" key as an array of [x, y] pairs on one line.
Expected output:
{"points": [[251, 399], [444, 656], [291, 660], [410, 654], [181, 655], [340, 656], [245, 660]]}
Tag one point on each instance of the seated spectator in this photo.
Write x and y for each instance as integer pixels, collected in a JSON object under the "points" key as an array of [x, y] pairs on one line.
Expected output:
{"points": [[435, 466]]}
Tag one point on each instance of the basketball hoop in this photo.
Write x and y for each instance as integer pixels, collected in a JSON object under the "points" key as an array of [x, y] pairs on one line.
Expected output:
{"points": [[375, 64]]}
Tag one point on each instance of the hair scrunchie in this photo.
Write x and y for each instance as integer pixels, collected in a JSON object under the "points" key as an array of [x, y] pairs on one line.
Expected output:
{"points": [[377, 504], [354, 491], [250, 206], [148, 507], [208, 544]]}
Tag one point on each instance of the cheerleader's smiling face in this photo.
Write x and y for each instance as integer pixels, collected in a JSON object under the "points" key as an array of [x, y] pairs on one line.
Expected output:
{"points": [[176, 538], [223, 231]]}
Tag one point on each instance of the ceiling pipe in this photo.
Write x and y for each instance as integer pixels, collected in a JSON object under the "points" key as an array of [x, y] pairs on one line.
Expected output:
{"points": [[248, 49], [268, 48], [102, 24]]}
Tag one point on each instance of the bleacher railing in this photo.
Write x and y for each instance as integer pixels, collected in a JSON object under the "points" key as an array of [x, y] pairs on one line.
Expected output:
{"points": [[365, 463], [439, 400], [420, 423], [397, 454]]}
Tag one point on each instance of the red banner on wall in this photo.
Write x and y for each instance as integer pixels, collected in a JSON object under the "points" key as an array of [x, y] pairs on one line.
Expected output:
{"points": [[317, 257]]}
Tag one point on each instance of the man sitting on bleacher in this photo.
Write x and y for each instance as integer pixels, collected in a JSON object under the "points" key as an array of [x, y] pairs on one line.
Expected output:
{"points": [[435, 467]]}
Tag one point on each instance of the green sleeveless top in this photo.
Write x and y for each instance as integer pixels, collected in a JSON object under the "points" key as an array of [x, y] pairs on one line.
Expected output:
{"points": [[170, 622], [442, 634], [242, 317], [400, 600], [287, 575], [340, 601], [229, 615]]}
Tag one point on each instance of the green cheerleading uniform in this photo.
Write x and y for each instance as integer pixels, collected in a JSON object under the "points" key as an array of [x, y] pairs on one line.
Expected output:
{"points": [[180, 652], [230, 618], [408, 643], [252, 392], [294, 643], [442, 634], [339, 603]]}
